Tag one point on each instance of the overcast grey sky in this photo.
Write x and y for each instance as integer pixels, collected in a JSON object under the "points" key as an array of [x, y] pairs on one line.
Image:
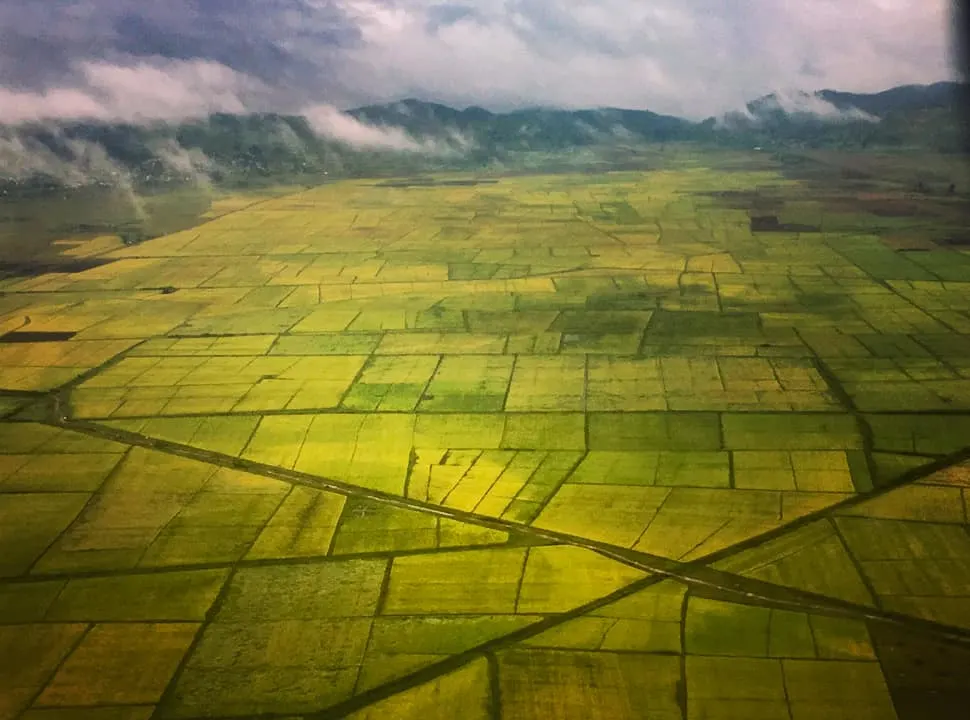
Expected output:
{"points": [[129, 59]]}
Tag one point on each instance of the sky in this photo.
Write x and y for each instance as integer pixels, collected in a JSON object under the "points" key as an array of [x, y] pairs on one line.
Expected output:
{"points": [[132, 60]]}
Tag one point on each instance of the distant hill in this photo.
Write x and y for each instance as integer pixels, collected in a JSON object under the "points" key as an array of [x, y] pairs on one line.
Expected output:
{"points": [[905, 98], [245, 148], [223, 149], [898, 116], [920, 116], [527, 129]]}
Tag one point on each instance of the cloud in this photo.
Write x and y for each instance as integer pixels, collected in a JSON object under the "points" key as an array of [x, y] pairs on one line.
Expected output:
{"points": [[147, 90], [19, 107], [694, 59], [446, 14], [330, 122], [172, 90], [186, 162], [336, 125], [803, 102], [798, 102], [69, 160], [285, 44]]}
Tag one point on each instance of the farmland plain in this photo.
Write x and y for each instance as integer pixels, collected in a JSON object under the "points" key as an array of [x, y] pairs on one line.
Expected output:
{"points": [[684, 443]]}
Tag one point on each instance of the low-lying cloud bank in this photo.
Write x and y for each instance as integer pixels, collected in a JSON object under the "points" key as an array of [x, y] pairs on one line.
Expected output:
{"points": [[157, 90], [78, 162], [333, 124], [46, 151], [167, 91], [803, 103], [793, 104]]}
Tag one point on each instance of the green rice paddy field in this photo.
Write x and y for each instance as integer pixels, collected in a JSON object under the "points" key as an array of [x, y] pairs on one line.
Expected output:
{"points": [[683, 443]]}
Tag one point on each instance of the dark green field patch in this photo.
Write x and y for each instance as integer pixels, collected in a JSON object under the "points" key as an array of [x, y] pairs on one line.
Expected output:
{"points": [[623, 213], [654, 431], [667, 324], [592, 322], [637, 300], [25, 336], [877, 260]]}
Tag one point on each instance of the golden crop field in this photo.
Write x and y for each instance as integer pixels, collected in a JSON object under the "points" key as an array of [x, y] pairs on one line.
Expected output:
{"points": [[516, 449]]}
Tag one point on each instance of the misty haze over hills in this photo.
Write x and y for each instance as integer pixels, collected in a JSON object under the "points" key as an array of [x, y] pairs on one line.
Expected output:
{"points": [[412, 134]]}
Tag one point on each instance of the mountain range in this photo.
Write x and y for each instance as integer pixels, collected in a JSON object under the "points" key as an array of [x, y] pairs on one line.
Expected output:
{"points": [[776, 115], [412, 135]]}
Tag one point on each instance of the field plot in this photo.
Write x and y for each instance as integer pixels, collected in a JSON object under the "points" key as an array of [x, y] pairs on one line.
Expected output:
{"points": [[488, 440]]}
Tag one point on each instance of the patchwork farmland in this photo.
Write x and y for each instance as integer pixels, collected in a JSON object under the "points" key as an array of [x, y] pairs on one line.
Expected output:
{"points": [[445, 448]]}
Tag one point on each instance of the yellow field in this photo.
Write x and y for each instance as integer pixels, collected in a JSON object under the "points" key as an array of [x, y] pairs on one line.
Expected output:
{"points": [[416, 420]]}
